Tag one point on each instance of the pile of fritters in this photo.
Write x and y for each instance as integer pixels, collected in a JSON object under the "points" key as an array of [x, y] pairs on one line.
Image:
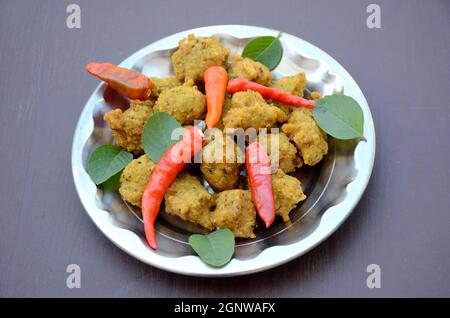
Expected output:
{"points": [[300, 141]]}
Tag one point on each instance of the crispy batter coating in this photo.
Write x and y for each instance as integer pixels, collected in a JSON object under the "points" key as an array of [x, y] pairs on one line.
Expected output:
{"points": [[282, 153], [249, 69], [249, 109], [127, 125], [186, 103], [147, 103], [221, 163], [307, 135], [235, 210], [287, 193], [315, 95], [226, 108], [160, 84], [195, 55], [294, 84], [134, 178], [189, 200]]}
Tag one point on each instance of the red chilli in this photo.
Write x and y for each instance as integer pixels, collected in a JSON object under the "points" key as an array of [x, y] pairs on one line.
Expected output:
{"points": [[129, 83], [240, 85], [164, 174], [259, 171]]}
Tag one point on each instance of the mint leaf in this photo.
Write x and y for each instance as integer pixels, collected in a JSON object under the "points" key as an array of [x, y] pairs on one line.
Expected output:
{"points": [[340, 116], [106, 161], [266, 50], [216, 248], [157, 135]]}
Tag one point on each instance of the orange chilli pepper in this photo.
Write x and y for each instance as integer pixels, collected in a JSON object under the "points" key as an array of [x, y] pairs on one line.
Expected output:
{"points": [[241, 84], [129, 83], [259, 172], [165, 172], [215, 88]]}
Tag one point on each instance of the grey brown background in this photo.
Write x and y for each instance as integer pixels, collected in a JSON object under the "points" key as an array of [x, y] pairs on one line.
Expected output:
{"points": [[402, 223]]}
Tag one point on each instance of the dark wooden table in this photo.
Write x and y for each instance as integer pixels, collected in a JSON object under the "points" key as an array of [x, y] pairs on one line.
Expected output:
{"points": [[402, 223]]}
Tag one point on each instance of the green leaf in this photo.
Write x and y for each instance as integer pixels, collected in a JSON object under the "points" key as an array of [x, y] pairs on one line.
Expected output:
{"points": [[216, 248], [106, 161], [340, 116], [266, 50], [157, 135], [113, 183]]}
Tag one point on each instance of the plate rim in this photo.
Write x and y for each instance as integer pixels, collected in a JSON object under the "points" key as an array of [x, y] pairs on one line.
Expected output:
{"points": [[236, 267]]}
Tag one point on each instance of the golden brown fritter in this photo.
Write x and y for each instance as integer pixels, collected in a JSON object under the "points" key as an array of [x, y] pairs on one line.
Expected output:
{"points": [[186, 103], [189, 200], [283, 154], [235, 210], [147, 103], [249, 69], [127, 125], [226, 108], [287, 193], [315, 95], [249, 109], [195, 55], [294, 84], [134, 179], [221, 163], [307, 136], [160, 84]]}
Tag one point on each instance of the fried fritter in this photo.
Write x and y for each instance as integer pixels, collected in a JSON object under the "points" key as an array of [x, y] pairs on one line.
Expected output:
{"points": [[249, 109], [160, 84], [127, 125], [294, 84], [221, 163], [287, 193], [307, 135], [147, 103], [282, 153], [235, 210], [226, 108], [134, 179], [186, 103], [189, 200], [315, 95], [249, 69], [195, 55]]}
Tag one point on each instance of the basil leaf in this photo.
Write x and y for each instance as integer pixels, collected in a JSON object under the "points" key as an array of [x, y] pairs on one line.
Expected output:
{"points": [[106, 161], [216, 248], [157, 135], [266, 50], [340, 116]]}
